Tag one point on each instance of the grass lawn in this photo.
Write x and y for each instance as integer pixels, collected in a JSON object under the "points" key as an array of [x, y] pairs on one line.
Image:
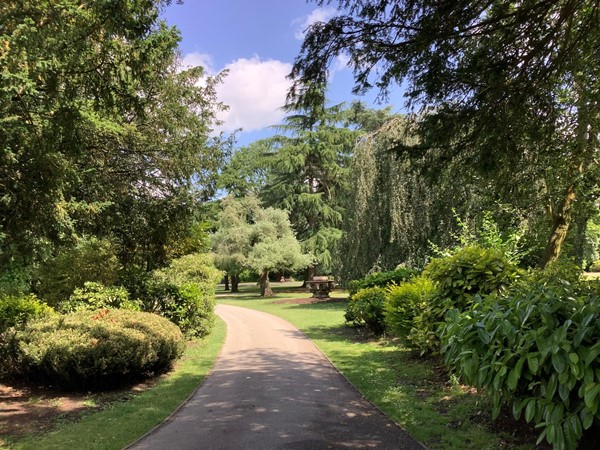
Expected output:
{"points": [[414, 392], [120, 423]]}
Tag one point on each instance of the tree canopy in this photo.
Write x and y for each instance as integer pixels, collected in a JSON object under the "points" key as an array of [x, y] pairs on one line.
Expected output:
{"points": [[102, 133], [509, 87]]}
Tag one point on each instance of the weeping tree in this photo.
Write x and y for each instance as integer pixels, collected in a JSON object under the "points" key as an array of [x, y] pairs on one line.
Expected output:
{"points": [[500, 85]]}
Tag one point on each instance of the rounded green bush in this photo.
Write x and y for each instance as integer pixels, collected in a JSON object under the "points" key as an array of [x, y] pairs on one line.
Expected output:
{"points": [[19, 309], [96, 350], [381, 279], [94, 296], [406, 301], [365, 308], [458, 279]]}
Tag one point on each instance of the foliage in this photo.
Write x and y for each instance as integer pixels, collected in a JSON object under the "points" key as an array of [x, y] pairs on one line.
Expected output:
{"points": [[595, 266], [96, 350], [501, 90], [95, 296], [109, 139], [308, 165], [255, 238], [537, 350], [189, 306], [406, 301], [184, 292], [458, 279], [381, 279], [92, 259], [195, 268], [365, 308], [19, 309]]}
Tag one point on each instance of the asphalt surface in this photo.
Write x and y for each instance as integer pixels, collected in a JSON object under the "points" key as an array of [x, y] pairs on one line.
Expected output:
{"points": [[271, 388]]}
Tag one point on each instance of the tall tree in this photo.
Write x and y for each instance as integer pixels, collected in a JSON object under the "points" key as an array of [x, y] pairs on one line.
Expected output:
{"points": [[503, 84], [101, 134], [308, 172]]}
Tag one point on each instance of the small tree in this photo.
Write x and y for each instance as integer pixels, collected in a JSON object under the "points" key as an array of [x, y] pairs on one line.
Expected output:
{"points": [[258, 239]]}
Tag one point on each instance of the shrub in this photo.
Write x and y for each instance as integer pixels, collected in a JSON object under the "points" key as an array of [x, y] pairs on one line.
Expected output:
{"points": [[191, 306], [195, 268], [94, 296], [19, 309], [457, 279], [92, 259], [365, 308], [381, 279], [95, 350], [537, 350], [405, 302]]}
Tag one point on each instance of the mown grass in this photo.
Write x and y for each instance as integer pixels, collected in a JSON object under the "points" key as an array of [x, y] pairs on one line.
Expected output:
{"points": [[414, 392], [122, 422]]}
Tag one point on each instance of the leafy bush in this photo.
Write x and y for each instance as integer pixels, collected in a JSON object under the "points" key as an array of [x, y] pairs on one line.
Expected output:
{"points": [[195, 268], [94, 296], [92, 259], [381, 279], [457, 279], [538, 350], [191, 306], [184, 292], [19, 309], [365, 308], [405, 302], [95, 350]]}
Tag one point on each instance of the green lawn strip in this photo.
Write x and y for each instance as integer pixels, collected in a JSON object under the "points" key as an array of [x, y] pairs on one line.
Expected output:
{"points": [[120, 423], [408, 389]]}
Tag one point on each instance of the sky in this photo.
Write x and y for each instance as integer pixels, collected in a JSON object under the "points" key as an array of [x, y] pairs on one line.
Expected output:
{"points": [[256, 41]]}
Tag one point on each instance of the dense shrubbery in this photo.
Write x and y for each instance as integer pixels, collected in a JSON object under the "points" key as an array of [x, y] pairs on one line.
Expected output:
{"points": [[381, 279], [537, 349], [92, 350], [406, 301], [184, 292], [91, 259], [368, 309], [365, 308], [458, 278], [595, 266], [94, 296], [191, 306], [19, 309]]}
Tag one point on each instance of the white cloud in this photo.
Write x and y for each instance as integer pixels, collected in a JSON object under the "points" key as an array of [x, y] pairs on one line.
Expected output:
{"points": [[198, 59], [255, 91], [317, 15]]}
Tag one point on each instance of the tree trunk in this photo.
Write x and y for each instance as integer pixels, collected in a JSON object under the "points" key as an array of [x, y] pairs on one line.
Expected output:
{"points": [[265, 284], [560, 227], [226, 281], [309, 273], [235, 281]]}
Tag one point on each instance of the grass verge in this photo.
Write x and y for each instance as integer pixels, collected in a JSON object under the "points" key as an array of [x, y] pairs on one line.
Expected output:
{"points": [[120, 423], [414, 392]]}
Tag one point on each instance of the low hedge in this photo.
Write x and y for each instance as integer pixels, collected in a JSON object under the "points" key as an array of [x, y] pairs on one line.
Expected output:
{"points": [[96, 350]]}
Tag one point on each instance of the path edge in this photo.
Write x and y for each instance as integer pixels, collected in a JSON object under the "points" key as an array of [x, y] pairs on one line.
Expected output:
{"points": [[187, 399]]}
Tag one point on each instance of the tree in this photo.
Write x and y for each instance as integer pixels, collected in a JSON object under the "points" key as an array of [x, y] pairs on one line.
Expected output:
{"points": [[101, 133], [502, 85], [308, 172], [256, 238]]}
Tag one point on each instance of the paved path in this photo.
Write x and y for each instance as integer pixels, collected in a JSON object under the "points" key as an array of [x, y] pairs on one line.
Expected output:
{"points": [[271, 388]]}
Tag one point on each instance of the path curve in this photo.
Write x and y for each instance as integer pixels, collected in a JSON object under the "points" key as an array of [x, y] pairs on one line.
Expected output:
{"points": [[271, 388]]}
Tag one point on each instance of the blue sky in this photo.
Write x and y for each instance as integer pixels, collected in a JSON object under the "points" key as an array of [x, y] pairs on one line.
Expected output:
{"points": [[257, 41]]}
